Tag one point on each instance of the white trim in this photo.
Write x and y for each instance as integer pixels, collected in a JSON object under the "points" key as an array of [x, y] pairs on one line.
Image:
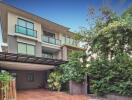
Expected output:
{"points": [[24, 66]]}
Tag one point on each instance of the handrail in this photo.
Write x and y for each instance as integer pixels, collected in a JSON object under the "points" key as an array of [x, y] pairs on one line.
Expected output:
{"points": [[26, 33], [51, 40]]}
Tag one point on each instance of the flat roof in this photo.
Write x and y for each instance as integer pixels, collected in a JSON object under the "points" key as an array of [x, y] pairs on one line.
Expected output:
{"points": [[4, 56], [9, 5]]}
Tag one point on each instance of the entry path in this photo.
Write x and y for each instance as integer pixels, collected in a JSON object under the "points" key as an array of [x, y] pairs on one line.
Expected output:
{"points": [[41, 94]]}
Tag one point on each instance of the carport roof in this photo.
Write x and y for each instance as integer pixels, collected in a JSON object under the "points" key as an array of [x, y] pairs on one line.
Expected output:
{"points": [[4, 56]]}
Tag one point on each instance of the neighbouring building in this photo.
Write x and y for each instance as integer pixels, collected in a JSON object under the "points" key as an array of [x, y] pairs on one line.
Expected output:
{"points": [[34, 46]]}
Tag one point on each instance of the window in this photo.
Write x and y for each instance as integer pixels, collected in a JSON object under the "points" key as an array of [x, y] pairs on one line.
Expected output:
{"points": [[49, 34], [47, 55], [68, 40], [30, 76], [21, 22], [30, 50], [25, 27], [24, 48], [25, 23], [30, 25]]}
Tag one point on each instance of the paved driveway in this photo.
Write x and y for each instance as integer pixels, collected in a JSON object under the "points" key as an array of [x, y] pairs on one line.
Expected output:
{"points": [[40, 94]]}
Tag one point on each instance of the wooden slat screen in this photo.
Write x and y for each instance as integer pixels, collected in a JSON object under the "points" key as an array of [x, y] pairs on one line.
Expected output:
{"points": [[10, 92]]}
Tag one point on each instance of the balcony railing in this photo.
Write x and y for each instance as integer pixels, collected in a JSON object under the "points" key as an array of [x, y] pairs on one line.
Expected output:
{"points": [[25, 31], [47, 56], [51, 40]]}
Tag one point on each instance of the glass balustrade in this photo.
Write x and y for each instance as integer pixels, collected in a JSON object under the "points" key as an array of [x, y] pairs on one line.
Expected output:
{"points": [[51, 40]]}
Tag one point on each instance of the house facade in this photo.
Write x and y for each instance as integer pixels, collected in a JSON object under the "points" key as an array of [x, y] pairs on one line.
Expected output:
{"points": [[30, 36]]}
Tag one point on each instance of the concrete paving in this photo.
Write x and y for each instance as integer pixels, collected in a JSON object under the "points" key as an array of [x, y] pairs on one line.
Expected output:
{"points": [[41, 94]]}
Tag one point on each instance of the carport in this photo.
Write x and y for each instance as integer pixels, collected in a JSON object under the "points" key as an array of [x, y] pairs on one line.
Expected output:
{"points": [[30, 72]]}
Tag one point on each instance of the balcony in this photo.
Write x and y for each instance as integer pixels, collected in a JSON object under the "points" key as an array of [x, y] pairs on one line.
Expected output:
{"points": [[46, 55], [25, 31], [51, 40]]}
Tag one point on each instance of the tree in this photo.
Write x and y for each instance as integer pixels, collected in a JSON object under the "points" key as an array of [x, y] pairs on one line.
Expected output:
{"points": [[111, 40], [74, 69]]}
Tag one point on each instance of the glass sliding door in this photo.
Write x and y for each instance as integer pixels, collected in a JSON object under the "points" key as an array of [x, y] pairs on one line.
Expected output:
{"points": [[21, 22], [25, 27], [30, 50], [21, 48], [24, 48]]}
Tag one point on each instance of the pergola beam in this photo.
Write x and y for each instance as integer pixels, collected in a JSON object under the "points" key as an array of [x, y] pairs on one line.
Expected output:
{"points": [[4, 56]]}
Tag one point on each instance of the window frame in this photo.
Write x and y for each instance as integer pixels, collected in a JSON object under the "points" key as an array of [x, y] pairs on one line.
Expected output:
{"points": [[27, 32], [26, 48], [21, 43], [29, 75], [49, 34], [26, 23]]}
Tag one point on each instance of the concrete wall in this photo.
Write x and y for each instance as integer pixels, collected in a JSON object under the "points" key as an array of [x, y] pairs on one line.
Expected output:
{"points": [[59, 55], [38, 49], [23, 83], [64, 53], [12, 21], [13, 38], [12, 44], [77, 88], [115, 97]]}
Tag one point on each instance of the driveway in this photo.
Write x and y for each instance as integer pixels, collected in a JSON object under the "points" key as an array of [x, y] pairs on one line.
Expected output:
{"points": [[41, 94]]}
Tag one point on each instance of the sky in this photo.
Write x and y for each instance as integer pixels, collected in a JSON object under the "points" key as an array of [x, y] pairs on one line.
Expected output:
{"points": [[70, 13]]}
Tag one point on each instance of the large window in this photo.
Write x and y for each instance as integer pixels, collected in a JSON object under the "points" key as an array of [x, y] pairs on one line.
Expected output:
{"points": [[49, 34], [25, 27], [24, 48], [50, 38]]}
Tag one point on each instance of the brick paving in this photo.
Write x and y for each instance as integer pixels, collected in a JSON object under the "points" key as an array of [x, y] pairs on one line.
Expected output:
{"points": [[40, 94]]}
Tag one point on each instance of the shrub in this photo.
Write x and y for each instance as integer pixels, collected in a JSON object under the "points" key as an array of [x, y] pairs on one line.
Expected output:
{"points": [[54, 80], [73, 70], [5, 78], [113, 76]]}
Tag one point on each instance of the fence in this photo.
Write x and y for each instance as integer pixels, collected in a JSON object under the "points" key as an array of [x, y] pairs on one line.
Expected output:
{"points": [[8, 93]]}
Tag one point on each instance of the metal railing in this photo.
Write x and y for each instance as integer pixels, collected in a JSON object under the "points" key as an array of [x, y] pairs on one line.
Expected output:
{"points": [[25, 31], [47, 56], [51, 40]]}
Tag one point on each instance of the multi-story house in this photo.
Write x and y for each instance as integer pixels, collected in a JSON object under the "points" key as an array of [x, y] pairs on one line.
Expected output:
{"points": [[34, 45]]}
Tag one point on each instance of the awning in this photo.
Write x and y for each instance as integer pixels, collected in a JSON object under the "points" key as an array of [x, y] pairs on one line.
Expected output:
{"points": [[4, 56]]}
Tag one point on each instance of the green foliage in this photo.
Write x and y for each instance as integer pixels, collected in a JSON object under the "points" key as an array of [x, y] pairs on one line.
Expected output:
{"points": [[5, 78], [111, 40], [113, 76], [73, 70], [54, 80], [128, 12]]}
